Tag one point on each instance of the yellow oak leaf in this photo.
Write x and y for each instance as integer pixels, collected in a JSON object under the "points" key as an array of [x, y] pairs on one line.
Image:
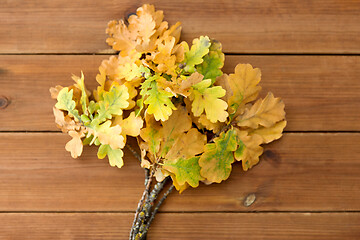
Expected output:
{"points": [[159, 101], [207, 98], [243, 84], [178, 186], [109, 135], [142, 24], [163, 58], [173, 31], [148, 9], [130, 126], [206, 123], [194, 56], [132, 94], [264, 112], [151, 135], [187, 145], [270, 134], [179, 122], [75, 145], [120, 38], [249, 150]]}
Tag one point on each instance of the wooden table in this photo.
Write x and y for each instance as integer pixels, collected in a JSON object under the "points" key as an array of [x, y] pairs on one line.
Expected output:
{"points": [[307, 185]]}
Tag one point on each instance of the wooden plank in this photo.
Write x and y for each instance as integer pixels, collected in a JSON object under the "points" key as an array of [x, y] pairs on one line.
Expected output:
{"points": [[300, 172], [321, 93], [261, 26], [108, 226]]}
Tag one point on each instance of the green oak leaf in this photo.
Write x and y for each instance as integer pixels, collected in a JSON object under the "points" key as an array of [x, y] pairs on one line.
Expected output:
{"points": [[159, 102], [213, 62], [65, 102], [115, 155], [195, 55], [113, 102], [185, 170]]}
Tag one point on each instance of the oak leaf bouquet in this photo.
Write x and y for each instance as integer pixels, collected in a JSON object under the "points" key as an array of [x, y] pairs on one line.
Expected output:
{"points": [[191, 121]]}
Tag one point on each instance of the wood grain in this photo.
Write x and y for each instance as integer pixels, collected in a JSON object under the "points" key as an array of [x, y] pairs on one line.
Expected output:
{"points": [[276, 226], [260, 26], [300, 172], [321, 93]]}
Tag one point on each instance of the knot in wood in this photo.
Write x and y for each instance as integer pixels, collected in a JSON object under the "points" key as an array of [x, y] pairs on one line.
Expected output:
{"points": [[249, 200], [4, 102]]}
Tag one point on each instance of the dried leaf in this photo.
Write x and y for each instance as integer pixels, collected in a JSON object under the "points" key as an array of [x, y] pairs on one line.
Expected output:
{"points": [[264, 112], [54, 91], [270, 134], [187, 145], [244, 86], [249, 150], [75, 145], [178, 123]]}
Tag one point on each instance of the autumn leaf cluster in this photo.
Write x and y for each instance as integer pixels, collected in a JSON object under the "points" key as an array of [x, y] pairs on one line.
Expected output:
{"points": [[191, 120]]}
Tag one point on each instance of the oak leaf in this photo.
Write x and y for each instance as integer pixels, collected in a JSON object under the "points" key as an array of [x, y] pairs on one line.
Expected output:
{"points": [[115, 155], [194, 56], [185, 170], [244, 85], [186, 145], [151, 135], [212, 63], [109, 135], [270, 134], [217, 158], [130, 126], [113, 102], [65, 102], [159, 102], [178, 123], [75, 145], [249, 149], [54, 91], [265, 112], [207, 98]]}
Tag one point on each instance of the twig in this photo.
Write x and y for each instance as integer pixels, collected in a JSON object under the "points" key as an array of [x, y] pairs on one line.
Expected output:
{"points": [[146, 211], [140, 204], [135, 153], [156, 209]]}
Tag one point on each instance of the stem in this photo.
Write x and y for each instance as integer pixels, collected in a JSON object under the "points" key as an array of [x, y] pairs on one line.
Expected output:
{"points": [[140, 204], [145, 212], [156, 209]]}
